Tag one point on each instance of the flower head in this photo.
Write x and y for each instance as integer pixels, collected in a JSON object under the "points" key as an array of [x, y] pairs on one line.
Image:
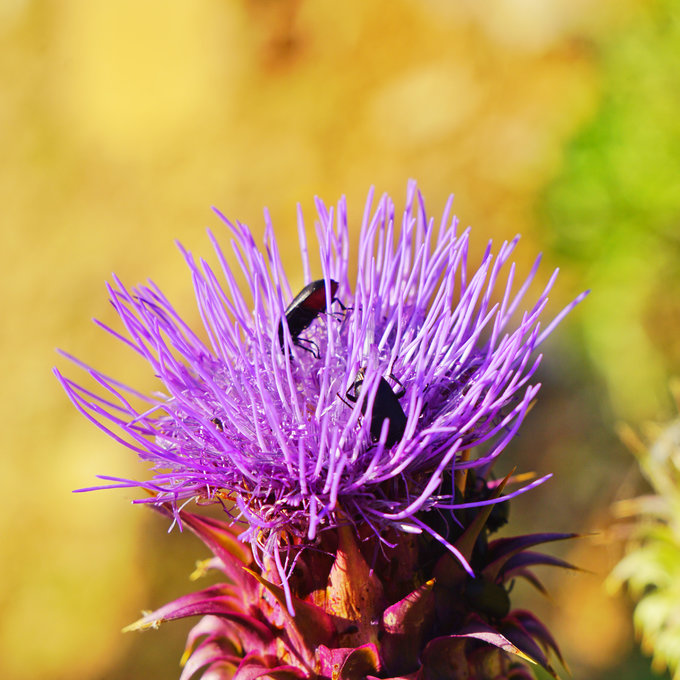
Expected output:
{"points": [[362, 400]]}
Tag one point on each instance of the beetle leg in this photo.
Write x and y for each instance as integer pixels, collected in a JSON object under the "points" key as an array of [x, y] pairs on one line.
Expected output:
{"points": [[340, 316], [309, 346], [344, 309], [344, 401], [402, 390]]}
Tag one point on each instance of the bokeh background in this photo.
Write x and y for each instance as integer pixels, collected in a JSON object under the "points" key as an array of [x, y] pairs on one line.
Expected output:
{"points": [[122, 122]]}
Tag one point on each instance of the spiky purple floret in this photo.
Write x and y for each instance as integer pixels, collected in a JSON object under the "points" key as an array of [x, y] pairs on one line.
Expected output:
{"points": [[240, 418]]}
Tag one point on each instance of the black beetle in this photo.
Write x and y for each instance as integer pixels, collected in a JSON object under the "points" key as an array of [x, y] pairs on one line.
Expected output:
{"points": [[386, 406], [304, 308]]}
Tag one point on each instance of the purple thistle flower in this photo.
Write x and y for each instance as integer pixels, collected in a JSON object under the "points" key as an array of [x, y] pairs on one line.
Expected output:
{"points": [[294, 432]]}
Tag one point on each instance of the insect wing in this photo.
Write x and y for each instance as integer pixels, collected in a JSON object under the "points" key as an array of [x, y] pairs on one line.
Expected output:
{"points": [[387, 407]]}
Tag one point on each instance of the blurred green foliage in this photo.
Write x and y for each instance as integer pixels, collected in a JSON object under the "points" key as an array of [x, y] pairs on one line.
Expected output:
{"points": [[615, 210], [651, 567]]}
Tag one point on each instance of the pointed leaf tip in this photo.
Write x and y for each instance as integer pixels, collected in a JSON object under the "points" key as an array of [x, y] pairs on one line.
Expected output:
{"points": [[360, 662], [405, 625], [502, 549], [416, 602]]}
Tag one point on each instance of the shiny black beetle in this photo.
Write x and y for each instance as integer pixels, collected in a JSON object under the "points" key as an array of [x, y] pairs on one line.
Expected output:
{"points": [[386, 406], [304, 308]]}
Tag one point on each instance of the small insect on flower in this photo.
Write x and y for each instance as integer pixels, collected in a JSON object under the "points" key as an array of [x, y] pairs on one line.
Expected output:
{"points": [[385, 407], [304, 308]]}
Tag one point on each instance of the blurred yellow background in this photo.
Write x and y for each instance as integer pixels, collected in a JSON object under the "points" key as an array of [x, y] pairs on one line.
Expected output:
{"points": [[121, 124]]}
